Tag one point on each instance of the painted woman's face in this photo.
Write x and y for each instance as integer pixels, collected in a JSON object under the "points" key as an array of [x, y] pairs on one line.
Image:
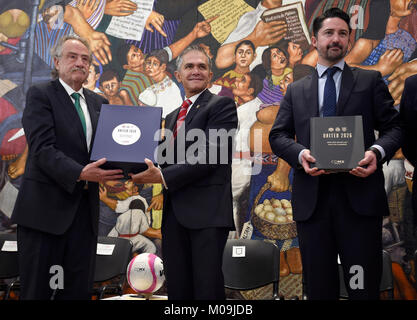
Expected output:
{"points": [[278, 59]]}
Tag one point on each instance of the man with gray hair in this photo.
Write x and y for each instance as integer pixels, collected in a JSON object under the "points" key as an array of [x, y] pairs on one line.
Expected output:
{"points": [[198, 212], [57, 207]]}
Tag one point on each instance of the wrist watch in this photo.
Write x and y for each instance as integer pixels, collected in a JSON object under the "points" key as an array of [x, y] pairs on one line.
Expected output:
{"points": [[377, 153]]}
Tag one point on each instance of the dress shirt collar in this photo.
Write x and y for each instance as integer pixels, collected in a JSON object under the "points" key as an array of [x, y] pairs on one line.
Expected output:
{"points": [[321, 69], [195, 97], [70, 90]]}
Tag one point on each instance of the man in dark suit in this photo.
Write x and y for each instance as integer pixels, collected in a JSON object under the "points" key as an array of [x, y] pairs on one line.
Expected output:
{"points": [[338, 213], [198, 211], [408, 115], [57, 207]]}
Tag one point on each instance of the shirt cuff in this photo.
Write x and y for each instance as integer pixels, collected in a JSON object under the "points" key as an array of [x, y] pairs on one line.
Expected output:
{"points": [[299, 156], [169, 51], [381, 150]]}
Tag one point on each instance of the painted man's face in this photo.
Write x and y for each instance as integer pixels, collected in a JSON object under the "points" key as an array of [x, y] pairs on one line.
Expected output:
{"points": [[241, 86], [135, 57], [244, 56], [286, 81], [154, 68]]}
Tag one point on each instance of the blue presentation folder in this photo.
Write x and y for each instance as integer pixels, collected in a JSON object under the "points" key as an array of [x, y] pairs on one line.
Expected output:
{"points": [[125, 136]]}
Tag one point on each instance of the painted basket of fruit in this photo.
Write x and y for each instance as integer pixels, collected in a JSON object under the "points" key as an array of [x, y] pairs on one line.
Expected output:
{"points": [[273, 217]]}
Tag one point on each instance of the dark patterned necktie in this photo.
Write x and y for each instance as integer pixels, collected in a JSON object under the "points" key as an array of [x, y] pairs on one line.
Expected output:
{"points": [[329, 99], [77, 105], [181, 115]]}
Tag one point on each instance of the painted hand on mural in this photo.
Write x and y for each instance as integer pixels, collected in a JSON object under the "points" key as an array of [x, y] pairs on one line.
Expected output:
{"points": [[100, 46], [389, 61], [157, 21], [397, 79], [120, 8], [203, 28], [111, 203], [156, 202], [87, 7], [266, 33]]}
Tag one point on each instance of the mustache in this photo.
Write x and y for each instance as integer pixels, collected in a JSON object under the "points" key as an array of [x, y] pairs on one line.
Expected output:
{"points": [[334, 45], [78, 69]]}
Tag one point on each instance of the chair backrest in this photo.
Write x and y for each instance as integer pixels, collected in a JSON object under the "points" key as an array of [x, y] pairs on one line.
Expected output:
{"points": [[110, 266], [387, 280], [250, 264], [9, 264]]}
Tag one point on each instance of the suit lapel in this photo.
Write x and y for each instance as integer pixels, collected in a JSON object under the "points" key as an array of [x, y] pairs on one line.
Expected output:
{"points": [[171, 119], [311, 92], [348, 82], [91, 105], [68, 107], [197, 105]]}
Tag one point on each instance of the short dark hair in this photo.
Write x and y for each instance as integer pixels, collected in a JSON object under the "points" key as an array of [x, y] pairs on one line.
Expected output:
{"points": [[161, 55], [330, 13], [247, 42], [255, 83], [108, 75]]}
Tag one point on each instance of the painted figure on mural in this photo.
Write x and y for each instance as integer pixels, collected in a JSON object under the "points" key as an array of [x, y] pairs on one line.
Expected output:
{"points": [[110, 89], [92, 79], [243, 57], [135, 80], [251, 27], [275, 63], [164, 92]]}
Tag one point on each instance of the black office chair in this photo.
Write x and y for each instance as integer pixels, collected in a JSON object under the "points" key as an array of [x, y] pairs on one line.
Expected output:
{"points": [[112, 267], [9, 266], [387, 281], [250, 264]]}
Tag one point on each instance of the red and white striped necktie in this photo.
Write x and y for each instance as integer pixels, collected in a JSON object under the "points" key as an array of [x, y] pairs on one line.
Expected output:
{"points": [[181, 115]]}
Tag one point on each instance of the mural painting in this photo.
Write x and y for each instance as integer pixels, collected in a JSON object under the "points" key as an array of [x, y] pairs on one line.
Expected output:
{"points": [[258, 48]]}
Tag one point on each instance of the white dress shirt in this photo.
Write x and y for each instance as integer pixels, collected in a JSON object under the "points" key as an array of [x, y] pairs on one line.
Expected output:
{"points": [[83, 103]]}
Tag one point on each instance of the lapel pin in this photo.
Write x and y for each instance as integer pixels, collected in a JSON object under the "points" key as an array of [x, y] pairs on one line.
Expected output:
{"points": [[198, 106]]}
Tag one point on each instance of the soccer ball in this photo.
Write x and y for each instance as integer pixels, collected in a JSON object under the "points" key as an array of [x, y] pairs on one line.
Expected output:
{"points": [[145, 273]]}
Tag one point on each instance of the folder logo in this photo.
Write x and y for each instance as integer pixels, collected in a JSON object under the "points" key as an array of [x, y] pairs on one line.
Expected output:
{"points": [[126, 134], [238, 251]]}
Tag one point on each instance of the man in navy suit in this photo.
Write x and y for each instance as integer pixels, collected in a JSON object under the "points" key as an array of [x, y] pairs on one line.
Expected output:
{"points": [[408, 114], [57, 207], [338, 213], [198, 212]]}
